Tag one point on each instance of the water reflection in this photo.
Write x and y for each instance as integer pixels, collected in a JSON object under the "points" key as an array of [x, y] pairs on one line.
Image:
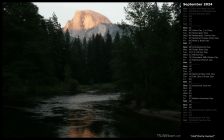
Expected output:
{"points": [[87, 116], [78, 123], [82, 132], [84, 115]]}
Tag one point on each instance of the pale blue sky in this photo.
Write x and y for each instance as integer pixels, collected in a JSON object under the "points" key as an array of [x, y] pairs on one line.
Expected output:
{"points": [[65, 11]]}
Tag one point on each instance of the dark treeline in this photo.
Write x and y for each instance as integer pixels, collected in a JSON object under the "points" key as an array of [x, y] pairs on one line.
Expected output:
{"points": [[89, 60], [34, 51], [39, 58], [148, 64]]}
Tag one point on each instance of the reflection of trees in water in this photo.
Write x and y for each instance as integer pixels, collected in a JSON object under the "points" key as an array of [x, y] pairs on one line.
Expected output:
{"points": [[84, 123], [102, 129], [80, 120], [81, 132]]}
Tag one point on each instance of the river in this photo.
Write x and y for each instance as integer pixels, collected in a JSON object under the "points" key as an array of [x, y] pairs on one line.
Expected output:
{"points": [[87, 114]]}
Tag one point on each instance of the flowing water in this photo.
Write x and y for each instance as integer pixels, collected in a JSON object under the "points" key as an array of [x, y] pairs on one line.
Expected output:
{"points": [[81, 115], [87, 114]]}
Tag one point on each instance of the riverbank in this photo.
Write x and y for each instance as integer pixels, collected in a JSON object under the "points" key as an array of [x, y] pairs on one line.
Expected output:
{"points": [[163, 114], [171, 115]]}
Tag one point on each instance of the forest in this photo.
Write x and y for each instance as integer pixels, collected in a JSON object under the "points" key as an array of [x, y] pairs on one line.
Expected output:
{"points": [[39, 59]]}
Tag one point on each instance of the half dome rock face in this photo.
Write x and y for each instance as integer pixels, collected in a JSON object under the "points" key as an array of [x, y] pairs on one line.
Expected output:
{"points": [[86, 19], [86, 23]]}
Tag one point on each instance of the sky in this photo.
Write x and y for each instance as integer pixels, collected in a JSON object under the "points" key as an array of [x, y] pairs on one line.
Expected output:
{"points": [[65, 11]]}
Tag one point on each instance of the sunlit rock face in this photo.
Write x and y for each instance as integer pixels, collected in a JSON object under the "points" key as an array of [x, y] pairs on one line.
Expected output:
{"points": [[86, 19], [85, 23]]}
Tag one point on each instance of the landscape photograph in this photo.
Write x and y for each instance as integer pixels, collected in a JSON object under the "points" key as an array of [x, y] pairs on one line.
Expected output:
{"points": [[91, 70]]}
